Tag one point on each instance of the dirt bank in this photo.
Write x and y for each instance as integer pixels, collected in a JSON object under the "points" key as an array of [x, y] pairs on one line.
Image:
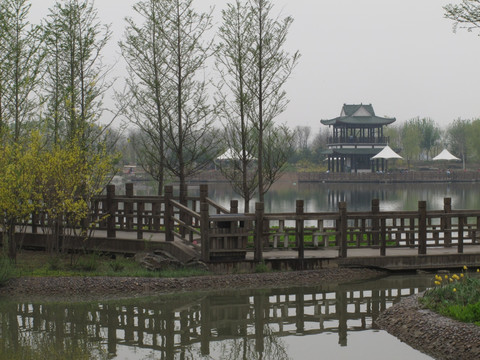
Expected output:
{"points": [[435, 335], [127, 286]]}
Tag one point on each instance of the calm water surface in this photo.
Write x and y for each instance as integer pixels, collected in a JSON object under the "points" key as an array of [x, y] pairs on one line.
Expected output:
{"points": [[315, 322], [320, 197]]}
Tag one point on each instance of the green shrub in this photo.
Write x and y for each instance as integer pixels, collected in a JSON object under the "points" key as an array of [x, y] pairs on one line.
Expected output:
{"points": [[89, 262], [261, 268], [116, 266], [6, 269]]}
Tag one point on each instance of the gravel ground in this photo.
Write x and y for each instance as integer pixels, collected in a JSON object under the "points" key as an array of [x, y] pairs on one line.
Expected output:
{"points": [[129, 286], [435, 335]]}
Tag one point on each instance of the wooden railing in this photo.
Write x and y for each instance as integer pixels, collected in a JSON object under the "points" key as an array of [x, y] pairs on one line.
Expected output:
{"points": [[224, 234]]}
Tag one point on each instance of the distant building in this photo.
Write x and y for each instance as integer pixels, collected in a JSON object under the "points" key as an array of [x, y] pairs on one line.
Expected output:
{"points": [[357, 136]]}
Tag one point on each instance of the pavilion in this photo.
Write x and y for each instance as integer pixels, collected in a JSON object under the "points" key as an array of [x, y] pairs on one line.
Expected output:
{"points": [[357, 137]]}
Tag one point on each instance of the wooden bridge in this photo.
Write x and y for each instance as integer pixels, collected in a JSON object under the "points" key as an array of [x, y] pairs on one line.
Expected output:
{"points": [[228, 240]]}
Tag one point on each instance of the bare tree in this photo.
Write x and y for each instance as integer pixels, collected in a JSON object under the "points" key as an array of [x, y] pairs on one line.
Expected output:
{"points": [[233, 99], [187, 115], [145, 51], [253, 68], [466, 14], [271, 68]]}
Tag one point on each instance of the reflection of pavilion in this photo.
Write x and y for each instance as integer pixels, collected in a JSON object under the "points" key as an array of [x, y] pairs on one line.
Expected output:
{"points": [[357, 137], [242, 324]]}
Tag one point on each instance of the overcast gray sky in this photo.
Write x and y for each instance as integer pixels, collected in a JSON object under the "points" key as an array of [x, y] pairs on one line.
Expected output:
{"points": [[400, 56]]}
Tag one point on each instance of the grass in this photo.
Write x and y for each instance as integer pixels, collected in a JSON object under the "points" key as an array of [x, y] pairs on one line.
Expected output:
{"points": [[39, 263], [456, 296]]}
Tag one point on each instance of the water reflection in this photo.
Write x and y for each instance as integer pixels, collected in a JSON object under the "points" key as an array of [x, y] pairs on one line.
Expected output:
{"points": [[320, 197], [243, 324]]}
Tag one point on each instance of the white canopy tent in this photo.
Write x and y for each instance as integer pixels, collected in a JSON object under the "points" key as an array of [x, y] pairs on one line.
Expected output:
{"points": [[230, 154], [387, 153], [445, 155]]}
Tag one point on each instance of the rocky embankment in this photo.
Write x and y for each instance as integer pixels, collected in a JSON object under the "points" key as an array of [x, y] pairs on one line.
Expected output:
{"points": [[440, 337], [130, 286]]}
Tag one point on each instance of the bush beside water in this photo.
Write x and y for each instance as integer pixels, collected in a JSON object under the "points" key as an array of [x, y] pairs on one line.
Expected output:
{"points": [[456, 296]]}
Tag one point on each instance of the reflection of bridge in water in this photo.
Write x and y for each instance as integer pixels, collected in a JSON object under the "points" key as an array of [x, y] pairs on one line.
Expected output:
{"points": [[173, 325]]}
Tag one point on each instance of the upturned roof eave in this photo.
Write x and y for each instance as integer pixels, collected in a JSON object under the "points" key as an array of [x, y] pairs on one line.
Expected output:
{"points": [[359, 120]]}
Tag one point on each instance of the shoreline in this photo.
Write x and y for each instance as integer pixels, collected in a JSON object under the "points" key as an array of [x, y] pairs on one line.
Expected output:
{"points": [[102, 287], [433, 334]]}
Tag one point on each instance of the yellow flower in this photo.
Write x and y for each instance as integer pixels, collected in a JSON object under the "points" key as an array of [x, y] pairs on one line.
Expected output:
{"points": [[437, 282], [439, 278], [455, 276], [465, 267], [478, 270], [451, 280], [454, 289], [446, 276], [461, 275]]}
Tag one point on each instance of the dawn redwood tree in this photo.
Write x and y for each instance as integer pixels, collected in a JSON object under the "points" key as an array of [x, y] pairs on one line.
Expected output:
{"points": [[20, 66], [186, 117], [270, 68], [144, 50], [76, 78], [253, 68], [233, 99]]}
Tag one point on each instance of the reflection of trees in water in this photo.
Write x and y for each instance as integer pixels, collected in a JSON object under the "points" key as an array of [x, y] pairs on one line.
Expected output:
{"points": [[243, 324], [320, 197], [245, 348], [43, 345]]}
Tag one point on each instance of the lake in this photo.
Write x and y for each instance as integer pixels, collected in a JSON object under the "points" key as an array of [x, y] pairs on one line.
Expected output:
{"points": [[299, 323], [325, 197]]}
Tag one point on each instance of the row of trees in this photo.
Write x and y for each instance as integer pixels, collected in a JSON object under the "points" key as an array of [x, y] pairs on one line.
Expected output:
{"points": [[53, 150], [53, 78], [166, 50]]}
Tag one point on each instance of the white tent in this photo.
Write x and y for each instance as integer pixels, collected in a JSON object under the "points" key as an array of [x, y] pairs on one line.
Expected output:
{"points": [[230, 154], [387, 153], [445, 155]]}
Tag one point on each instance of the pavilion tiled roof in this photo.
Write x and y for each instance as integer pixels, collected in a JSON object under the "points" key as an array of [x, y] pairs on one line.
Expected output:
{"points": [[358, 115]]}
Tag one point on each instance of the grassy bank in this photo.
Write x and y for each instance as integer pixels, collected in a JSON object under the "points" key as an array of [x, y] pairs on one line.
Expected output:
{"points": [[38, 263], [456, 296]]}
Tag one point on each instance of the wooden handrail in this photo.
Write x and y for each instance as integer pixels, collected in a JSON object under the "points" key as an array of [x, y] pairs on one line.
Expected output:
{"points": [[185, 209]]}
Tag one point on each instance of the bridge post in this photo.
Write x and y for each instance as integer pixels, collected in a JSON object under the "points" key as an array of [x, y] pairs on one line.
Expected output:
{"points": [[258, 240], [299, 231], [111, 233], [183, 215], [342, 208], [204, 231], [168, 220], [140, 216], [422, 228], [383, 237], [461, 223], [128, 206], [233, 206], [375, 221], [203, 192], [447, 222]]}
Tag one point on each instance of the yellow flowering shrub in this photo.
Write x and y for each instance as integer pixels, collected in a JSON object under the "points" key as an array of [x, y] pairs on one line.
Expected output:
{"points": [[57, 183]]}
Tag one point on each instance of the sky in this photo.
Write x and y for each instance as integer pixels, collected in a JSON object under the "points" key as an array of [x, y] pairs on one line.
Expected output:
{"points": [[400, 56]]}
